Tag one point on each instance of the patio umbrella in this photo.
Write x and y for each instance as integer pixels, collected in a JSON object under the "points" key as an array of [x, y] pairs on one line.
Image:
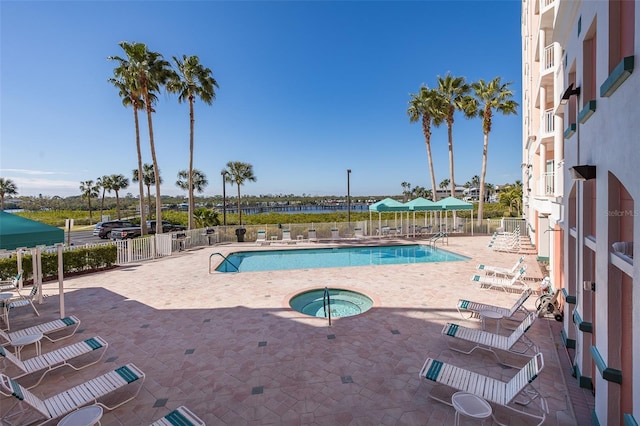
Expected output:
{"points": [[454, 204], [386, 205], [421, 204]]}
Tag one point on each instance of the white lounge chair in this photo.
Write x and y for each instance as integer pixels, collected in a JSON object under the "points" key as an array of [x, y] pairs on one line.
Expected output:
{"points": [[261, 238], [92, 391], [11, 284], [55, 359], [502, 283], [497, 270], [517, 391], [335, 234], [358, 233], [472, 308], [517, 342], [180, 416], [313, 236], [286, 237], [17, 301], [69, 325]]}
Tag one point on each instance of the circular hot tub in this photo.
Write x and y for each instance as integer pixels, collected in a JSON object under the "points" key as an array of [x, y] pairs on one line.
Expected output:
{"points": [[339, 302]]}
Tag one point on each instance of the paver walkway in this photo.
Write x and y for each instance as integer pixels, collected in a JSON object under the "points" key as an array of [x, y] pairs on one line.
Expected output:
{"points": [[229, 347]]}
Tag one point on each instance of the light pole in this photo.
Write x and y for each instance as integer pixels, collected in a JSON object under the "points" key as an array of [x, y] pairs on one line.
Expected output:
{"points": [[224, 197], [348, 200]]}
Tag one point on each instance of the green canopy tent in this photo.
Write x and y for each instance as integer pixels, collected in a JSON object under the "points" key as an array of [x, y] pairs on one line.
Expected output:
{"points": [[423, 205], [453, 204], [386, 205], [17, 231]]}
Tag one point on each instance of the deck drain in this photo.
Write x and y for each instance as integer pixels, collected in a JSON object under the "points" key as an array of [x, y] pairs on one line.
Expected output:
{"points": [[160, 402], [260, 344], [257, 390], [346, 379], [189, 351]]}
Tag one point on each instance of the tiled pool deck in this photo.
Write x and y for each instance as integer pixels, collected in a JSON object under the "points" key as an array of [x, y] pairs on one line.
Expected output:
{"points": [[229, 347]]}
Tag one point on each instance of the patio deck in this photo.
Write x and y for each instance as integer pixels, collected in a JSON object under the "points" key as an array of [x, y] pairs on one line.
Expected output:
{"points": [[229, 347]]}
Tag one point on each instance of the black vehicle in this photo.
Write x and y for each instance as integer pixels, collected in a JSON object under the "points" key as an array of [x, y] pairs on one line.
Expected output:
{"points": [[132, 231], [103, 229]]}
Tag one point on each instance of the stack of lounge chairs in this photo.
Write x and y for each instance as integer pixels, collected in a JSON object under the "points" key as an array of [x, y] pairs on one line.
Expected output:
{"points": [[109, 390], [506, 241]]}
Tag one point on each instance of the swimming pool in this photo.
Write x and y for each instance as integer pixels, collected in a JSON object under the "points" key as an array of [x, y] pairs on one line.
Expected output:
{"points": [[276, 260]]}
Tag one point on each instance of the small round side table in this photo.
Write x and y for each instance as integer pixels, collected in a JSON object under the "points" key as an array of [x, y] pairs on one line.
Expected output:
{"points": [[85, 416], [470, 405]]}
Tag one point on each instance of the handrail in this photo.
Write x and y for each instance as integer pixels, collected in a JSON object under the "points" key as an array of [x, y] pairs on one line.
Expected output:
{"points": [[224, 260], [326, 304], [436, 237]]}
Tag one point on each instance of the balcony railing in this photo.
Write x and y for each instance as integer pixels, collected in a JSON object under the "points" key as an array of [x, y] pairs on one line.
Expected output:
{"points": [[546, 184], [548, 121], [549, 58]]}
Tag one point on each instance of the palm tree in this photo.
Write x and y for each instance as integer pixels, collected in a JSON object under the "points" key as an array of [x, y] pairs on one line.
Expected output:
{"points": [[198, 181], [103, 182], [190, 82], [427, 105], [146, 72], [453, 92], [206, 217], [497, 96], [239, 172], [89, 189], [128, 89], [148, 179], [444, 184], [118, 182], [406, 190], [7, 187]]}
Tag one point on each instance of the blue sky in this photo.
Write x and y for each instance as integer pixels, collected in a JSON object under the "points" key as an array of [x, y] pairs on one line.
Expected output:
{"points": [[308, 89]]}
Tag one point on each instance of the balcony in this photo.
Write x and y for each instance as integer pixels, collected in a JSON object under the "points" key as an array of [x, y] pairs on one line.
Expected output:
{"points": [[548, 123], [546, 184]]}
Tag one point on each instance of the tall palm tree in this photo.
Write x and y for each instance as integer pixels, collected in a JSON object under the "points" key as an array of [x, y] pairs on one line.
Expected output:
{"points": [[198, 181], [146, 72], [103, 182], [239, 172], [427, 106], [129, 91], [454, 94], [191, 81], [406, 190], [89, 189], [148, 179], [444, 184], [7, 187], [492, 95], [118, 182]]}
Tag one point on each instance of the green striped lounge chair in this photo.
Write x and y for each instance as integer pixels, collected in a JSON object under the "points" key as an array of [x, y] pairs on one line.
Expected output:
{"points": [[513, 395], [517, 342], [502, 283], [471, 308], [65, 356], [181, 416], [497, 270], [52, 330], [90, 392]]}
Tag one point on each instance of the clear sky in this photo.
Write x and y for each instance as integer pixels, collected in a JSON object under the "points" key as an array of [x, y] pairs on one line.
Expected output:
{"points": [[308, 89]]}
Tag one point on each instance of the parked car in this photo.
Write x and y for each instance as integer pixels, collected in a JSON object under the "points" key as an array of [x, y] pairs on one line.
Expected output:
{"points": [[135, 231], [103, 229]]}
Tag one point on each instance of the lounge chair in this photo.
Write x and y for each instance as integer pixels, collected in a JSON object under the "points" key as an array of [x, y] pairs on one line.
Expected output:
{"points": [[180, 416], [517, 342], [358, 233], [312, 236], [517, 391], [472, 308], [89, 392], [69, 325], [503, 283], [497, 270], [261, 238], [52, 360], [11, 284], [286, 237], [17, 301], [335, 234]]}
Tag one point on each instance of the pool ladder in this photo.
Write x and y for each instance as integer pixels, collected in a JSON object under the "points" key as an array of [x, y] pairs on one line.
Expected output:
{"points": [[224, 260], [438, 236], [326, 304]]}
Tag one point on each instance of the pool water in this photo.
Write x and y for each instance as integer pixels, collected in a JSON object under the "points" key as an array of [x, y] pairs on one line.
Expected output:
{"points": [[276, 260], [342, 303]]}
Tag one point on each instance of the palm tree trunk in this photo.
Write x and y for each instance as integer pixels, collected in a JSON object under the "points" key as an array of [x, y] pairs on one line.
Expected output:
{"points": [[426, 128], [239, 210], [485, 149], [156, 169], [118, 205], [149, 198], [143, 222], [451, 177], [191, 200], [90, 216], [102, 205]]}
